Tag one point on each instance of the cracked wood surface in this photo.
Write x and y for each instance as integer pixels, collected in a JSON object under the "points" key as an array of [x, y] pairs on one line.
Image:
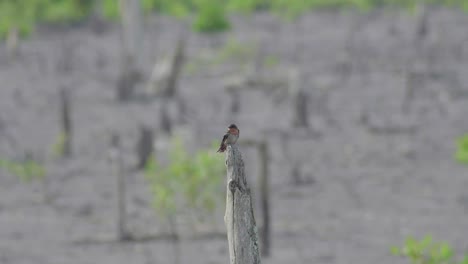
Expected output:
{"points": [[239, 217]]}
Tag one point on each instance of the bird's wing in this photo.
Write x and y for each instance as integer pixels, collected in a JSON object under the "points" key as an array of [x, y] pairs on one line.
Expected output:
{"points": [[224, 138], [222, 146]]}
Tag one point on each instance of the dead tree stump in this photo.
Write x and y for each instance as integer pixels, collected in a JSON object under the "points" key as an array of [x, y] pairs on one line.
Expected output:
{"points": [[239, 217], [264, 198], [144, 146], [300, 109], [127, 80], [66, 121], [164, 119], [116, 160], [132, 30]]}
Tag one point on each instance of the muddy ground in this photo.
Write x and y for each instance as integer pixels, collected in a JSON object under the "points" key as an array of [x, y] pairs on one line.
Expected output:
{"points": [[369, 172]]}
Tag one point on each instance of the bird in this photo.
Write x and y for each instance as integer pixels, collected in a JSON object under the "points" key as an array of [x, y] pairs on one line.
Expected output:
{"points": [[231, 136]]}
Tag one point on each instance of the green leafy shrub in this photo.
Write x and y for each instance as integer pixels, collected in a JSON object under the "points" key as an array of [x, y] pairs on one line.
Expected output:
{"points": [[26, 170], [271, 61], [25, 14], [65, 10], [110, 9], [211, 17], [247, 6], [210, 14], [187, 181], [461, 154], [19, 15], [426, 251]]}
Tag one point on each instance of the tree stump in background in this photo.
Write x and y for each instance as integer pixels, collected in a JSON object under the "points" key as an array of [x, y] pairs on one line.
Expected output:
{"points": [[132, 31], [300, 109], [239, 217], [132, 43], [66, 122], [164, 119], [116, 160], [264, 198], [144, 146], [128, 78], [165, 74]]}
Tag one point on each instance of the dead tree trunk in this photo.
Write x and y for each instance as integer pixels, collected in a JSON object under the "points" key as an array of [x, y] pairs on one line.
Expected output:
{"points": [[118, 171], [144, 147], [165, 120], [66, 122], [98, 24], [132, 30], [176, 66], [132, 42], [128, 77], [422, 24], [264, 198], [239, 217], [413, 81], [300, 109]]}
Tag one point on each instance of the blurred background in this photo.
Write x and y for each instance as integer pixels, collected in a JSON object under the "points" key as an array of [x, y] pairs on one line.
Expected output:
{"points": [[352, 116]]}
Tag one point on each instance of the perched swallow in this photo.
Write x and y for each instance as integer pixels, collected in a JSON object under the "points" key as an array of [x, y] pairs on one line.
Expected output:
{"points": [[229, 138]]}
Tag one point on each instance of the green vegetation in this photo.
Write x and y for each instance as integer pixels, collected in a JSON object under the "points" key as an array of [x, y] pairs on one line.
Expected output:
{"points": [[25, 170], [461, 155], [211, 17], [426, 251], [188, 182], [271, 61], [232, 51], [25, 14], [210, 14], [58, 148]]}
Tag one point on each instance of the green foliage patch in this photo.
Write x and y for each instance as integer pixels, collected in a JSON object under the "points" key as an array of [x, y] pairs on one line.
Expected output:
{"points": [[188, 181], [426, 251], [210, 15], [58, 148], [26, 170], [236, 51], [232, 51], [461, 154]]}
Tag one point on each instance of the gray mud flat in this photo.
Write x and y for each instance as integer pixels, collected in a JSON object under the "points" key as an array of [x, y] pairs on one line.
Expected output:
{"points": [[375, 175]]}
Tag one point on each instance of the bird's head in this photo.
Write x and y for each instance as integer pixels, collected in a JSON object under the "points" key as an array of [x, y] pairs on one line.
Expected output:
{"points": [[232, 129]]}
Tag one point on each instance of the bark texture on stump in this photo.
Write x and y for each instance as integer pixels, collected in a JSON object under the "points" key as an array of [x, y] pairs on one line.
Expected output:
{"points": [[242, 231]]}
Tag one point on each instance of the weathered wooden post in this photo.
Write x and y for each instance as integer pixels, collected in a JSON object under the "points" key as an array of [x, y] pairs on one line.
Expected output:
{"points": [[239, 217]]}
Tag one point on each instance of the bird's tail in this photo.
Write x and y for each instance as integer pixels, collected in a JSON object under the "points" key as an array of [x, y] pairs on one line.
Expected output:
{"points": [[222, 148]]}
